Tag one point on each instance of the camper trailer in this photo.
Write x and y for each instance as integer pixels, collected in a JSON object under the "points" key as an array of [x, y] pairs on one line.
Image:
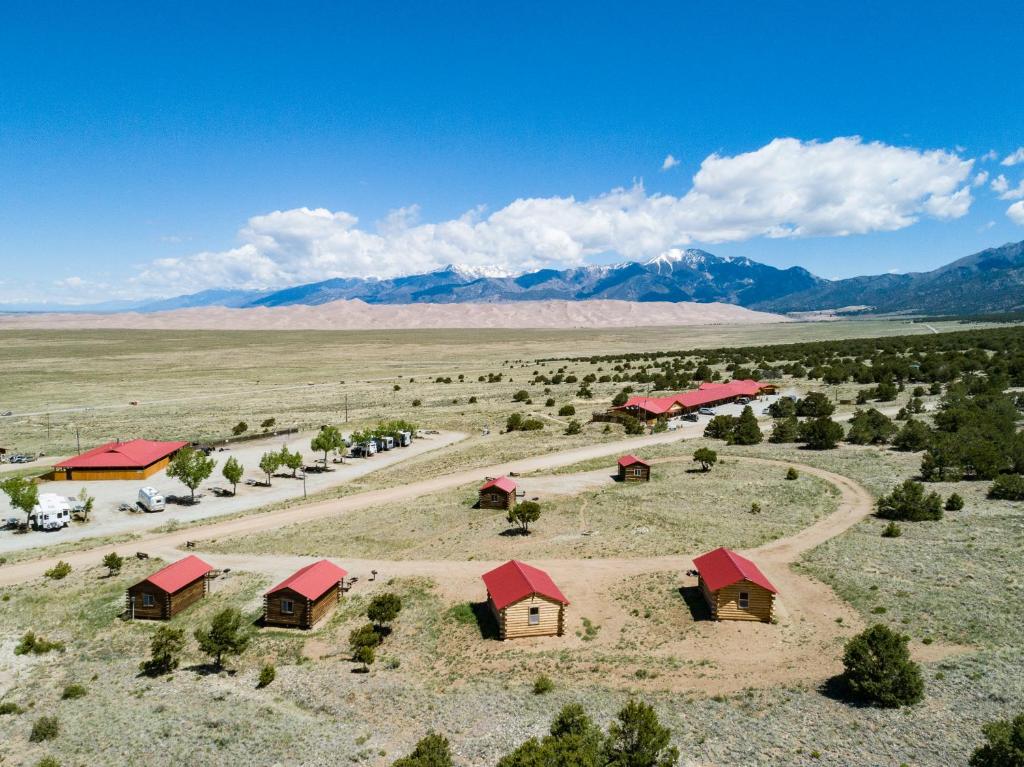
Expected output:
{"points": [[53, 512], [385, 443], [405, 438], [151, 499]]}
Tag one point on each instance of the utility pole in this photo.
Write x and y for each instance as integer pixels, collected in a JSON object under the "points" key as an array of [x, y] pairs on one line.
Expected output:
{"points": [[346, 408], [78, 438], [47, 429]]}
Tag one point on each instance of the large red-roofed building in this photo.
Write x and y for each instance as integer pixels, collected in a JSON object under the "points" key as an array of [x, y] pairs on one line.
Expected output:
{"points": [[167, 592], [734, 587], [303, 598], [135, 459], [525, 601], [709, 394]]}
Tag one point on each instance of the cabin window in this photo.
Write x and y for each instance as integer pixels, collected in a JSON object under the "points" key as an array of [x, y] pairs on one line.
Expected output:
{"points": [[495, 498], [534, 616], [287, 606], [744, 599], [148, 600], [637, 472]]}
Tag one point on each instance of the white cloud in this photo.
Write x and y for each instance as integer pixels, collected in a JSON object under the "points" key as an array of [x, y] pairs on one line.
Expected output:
{"points": [[980, 178], [1016, 213], [1000, 184], [669, 162], [989, 156], [787, 188], [1014, 158]]}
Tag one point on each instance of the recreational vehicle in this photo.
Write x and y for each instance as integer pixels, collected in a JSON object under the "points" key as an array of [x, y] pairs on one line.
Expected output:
{"points": [[52, 512], [150, 499]]}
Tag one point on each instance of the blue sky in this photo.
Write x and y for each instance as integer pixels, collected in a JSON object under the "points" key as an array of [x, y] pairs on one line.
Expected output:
{"points": [[135, 136]]}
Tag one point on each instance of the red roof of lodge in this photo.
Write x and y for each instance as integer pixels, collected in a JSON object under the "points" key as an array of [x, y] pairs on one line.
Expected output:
{"points": [[179, 574], [629, 460], [515, 580], [502, 483], [706, 394], [135, 454], [724, 567], [312, 580]]}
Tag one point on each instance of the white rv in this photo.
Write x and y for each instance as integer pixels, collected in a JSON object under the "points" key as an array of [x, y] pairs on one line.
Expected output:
{"points": [[404, 438], [150, 499], [52, 512], [385, 443]]}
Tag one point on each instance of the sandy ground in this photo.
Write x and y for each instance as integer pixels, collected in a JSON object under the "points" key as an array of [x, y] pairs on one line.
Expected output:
{"points": [[107, 520], [357, 315]]}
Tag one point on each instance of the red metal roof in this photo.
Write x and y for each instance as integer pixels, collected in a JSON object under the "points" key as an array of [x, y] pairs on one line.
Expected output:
{"points": [[724, 567], [180, 574], [629, 460], [135, 454], [705, 395], [515, 581], [502, 483], [312, 580]]}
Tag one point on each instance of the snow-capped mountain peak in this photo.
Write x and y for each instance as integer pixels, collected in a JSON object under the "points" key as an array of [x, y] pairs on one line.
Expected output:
{"points": [[474, 272], [690, 257]]}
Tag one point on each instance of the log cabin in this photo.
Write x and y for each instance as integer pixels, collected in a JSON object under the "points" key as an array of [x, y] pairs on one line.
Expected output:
{"points": [[498, 493], [734, 587], [302, 599], [525, 601], [632, 469], [167, 592]]}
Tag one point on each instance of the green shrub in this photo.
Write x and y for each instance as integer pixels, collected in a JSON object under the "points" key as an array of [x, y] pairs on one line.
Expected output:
{"points": [[521, 396], [73, 691], [1004, 744], [59, 571], [574, 427], [1007, 487], [472, 400], [9, 707], [549, 402], [892, 530], [542, 685], [37, 645], [879, 671], [48, 761], [908, 502], [792, 473], [954, 503], [463, 613], [567, 410], [431, 751], [267, 675], [45, 728], [417, 402]]}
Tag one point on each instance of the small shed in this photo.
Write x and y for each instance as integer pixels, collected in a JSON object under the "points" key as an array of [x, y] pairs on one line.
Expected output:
{"points": [[302, 599], [498, 493], [633, 469], [167, 592], [525, 601], [734, 587]]}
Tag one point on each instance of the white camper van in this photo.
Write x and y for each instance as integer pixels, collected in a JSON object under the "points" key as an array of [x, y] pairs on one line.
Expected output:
{"points": [[52, 512], [150, 499], [385, 443], [404, 438]]}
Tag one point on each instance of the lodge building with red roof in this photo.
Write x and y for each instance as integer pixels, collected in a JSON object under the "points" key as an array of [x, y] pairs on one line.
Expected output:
{"points": [[525, 601], [305, 597], [734, 587], [167, 592], [708, 394], [497, 493], [134, 459], [633, 469]]}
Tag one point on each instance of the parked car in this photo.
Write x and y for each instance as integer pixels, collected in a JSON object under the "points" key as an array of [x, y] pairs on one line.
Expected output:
{"points": [[706, 411], [744, 400], [152, 499], [691, 417], [6, 413]]}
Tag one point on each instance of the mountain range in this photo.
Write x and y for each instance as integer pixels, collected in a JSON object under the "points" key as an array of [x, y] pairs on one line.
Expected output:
{"points": [[989, 281]]}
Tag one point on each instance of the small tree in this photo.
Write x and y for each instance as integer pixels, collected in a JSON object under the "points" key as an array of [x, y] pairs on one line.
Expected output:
{"points": [[574, 427], [1004, 744], [878, 669], [792, 473], [821, 433], [908, 502], [720, 427], [226, 635], [59, 571], [746, 431], [113, 562], [267, 675], [870, 427], [328, 439], [637, 739], [567, 410], [88, 502], [632, 425], [23, 494], [914, 436], [523, 514], [815, 405], [706, 457], [192, 467], [785, 430], [1007, 487], [383, 609], [233, 471], [269, 463], [363, 642], [164, 651], [45, 728], [521, 396], [240, 428], [432, 751], [365, 655], [290, 460], [268, 423], [514, 422], [954, 502], [620, 399]]}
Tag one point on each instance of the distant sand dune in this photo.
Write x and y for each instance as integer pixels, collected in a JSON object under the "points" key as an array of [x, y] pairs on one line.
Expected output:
{"points": [[358, 315]]}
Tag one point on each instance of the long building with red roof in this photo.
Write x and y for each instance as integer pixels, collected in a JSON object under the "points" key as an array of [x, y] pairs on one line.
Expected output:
{"points": [[525, 601], [708, 394], [135, 459], [734, 587]]}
